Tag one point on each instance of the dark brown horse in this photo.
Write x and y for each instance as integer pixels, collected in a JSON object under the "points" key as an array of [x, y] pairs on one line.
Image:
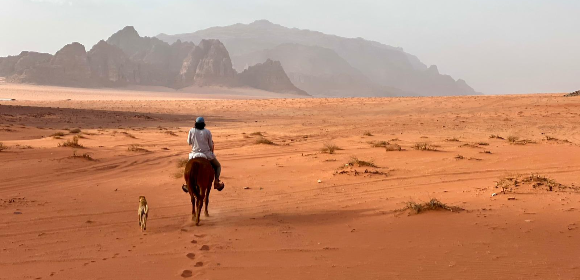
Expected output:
{"points": [[199, 176]]}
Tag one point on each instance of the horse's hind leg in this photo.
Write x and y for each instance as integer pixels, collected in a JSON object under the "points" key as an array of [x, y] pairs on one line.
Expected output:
{"points": [[199, 204], [207, 200], [192, 206]]}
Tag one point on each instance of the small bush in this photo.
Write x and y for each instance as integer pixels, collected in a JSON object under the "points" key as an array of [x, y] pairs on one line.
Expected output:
{"points": [[493, 136], [367, 133], [361, 163], [263, 140], [257, 133], [513, 139], [423, 146], [459, 157], [483, 144], [432, 205], [452, 139], [75, 130], [73, 143], [2, 147], [392, 147], [57, 134], [170, 133], [330, 148]]}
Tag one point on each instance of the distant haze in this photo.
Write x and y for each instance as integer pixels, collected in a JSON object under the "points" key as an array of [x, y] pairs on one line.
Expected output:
{"points": [[497, 46]]}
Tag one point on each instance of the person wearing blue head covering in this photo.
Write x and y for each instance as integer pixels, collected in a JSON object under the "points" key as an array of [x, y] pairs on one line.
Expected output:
{"points": [[202, 145]]}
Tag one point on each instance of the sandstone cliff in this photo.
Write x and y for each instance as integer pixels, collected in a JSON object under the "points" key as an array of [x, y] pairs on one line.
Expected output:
{"points": [[269, 76]]}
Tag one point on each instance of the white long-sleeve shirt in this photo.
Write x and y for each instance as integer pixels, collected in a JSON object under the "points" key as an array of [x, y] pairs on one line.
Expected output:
{"points": [[201, 142]]}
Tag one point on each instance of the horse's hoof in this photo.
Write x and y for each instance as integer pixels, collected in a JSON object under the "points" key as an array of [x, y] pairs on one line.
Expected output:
{"points": [[207, 214]]}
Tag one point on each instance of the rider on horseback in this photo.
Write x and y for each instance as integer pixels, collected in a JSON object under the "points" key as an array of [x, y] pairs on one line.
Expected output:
{"points": [[202, 146]]}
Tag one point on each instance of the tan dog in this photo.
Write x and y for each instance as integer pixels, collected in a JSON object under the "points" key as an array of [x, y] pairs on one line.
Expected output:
{"points": [[142, 212]]}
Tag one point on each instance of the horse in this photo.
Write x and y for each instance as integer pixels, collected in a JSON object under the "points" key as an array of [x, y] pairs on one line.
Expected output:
{"points": [[199, 176]]}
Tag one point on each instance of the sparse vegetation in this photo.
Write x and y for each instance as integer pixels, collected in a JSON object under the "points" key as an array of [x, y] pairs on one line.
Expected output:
{"points": [[452, 139], [2, 147], [136, 148], [263, 140], [170, 133], [378, 144], [83, 156], [394, 139], [486, 152], [330, 148], [367, 133], [75, 130], [482, 143], [424, 146], [493, 136], [129, 135], [57, 134], [514, 182], [432, 205], [512, 139], [392, 147], [459, 157], [257, 133], [361, 163], [72, 143]]}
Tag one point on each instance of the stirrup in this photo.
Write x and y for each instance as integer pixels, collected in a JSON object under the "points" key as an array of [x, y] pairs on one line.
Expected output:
{"points": [[184, 188]]}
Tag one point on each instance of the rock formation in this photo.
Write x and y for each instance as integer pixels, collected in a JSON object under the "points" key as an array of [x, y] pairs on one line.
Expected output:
{"points": [[126, 58], [269, 76]]}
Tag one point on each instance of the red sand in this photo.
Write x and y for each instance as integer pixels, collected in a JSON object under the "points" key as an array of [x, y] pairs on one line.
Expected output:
{"points": [[78, 217]]}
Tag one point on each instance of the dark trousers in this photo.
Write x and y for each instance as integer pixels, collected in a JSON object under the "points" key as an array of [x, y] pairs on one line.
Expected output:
{"points": [[217, 167]]}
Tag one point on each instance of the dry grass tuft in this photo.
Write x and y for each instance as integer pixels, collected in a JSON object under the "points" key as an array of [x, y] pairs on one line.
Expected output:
{"points": [[424, 146], [482, 143], [129, 135], [72, 143], [459, 157], [170, 133], [361, 163], [83, 156], [263, 140], [432, 205], [393, 147], [330, 148], [3, 147], [454, 139], [257, 133], [136, 148], [75, 130], [378, 144], [57, 134], [536, 181], [493, 136], [367, 133]]}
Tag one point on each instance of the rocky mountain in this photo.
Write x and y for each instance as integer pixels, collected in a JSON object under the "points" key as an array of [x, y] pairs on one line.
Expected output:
{"points": [[126, 58], [269, 76], [316, 61]]}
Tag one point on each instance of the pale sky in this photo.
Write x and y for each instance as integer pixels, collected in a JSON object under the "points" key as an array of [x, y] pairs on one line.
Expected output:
{"points": [[497, 46]]}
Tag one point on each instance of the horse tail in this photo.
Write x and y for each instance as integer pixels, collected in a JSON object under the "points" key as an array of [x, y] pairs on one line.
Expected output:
{"points": [[193, 180]]}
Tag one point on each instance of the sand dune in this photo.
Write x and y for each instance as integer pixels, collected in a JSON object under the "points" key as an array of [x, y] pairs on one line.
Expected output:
{"points": [[65, 216]]}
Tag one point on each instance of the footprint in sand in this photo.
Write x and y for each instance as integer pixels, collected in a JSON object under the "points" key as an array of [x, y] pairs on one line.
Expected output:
{"points": [[186, 274], [190, 255], [204, 248], [198, 264], [199, 235], [193, 241]]}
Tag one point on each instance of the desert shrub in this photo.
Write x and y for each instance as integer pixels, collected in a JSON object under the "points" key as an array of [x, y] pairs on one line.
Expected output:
{"points": [[482, 143], [512, 139], [459, 157], [432, 205], [170, 133], [424, 146], [330, 148], [452, 139], [257, 133], [2, 147], [367, 133], [393, 147], [493, 136], [263, 140], [75, 130], [57, 134], [361, 163], [72, 143]]}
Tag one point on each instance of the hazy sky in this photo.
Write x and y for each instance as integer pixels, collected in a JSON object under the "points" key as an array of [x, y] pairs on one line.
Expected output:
{"points": [[497, 46]]}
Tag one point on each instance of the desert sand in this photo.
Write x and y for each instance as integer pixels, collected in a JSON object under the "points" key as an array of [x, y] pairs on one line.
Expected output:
{"points": [[289, 210]]}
